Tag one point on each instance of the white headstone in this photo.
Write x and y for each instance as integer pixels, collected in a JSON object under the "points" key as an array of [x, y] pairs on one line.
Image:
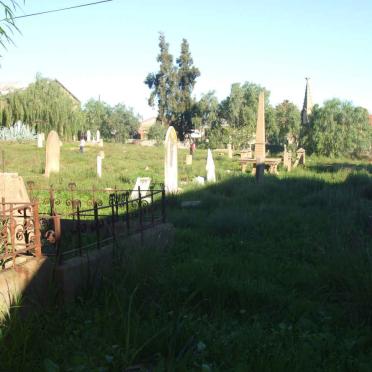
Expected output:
{"points": [[144, 184], [100, 143], [170, 163], [13, 189], [98, 135], [211, 174], [229, 151], [39, 141], [99, 166], [52, 153], [89, 136]]}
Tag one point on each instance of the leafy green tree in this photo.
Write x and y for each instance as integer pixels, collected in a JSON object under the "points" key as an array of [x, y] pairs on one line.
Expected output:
{"points": [[7, 25], [186, 79], [163, 84], [157, 132], [171, 88], [239, 110], [44, 105], [123, 123], [207, 112], [97, 114], [338, 128], [288, 121]]}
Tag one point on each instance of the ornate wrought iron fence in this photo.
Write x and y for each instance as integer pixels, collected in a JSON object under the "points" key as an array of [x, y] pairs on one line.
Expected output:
{"points": [[20, 233]]}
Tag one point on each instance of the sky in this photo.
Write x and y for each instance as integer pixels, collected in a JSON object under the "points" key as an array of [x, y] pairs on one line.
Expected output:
{"points": [[106, 51]]}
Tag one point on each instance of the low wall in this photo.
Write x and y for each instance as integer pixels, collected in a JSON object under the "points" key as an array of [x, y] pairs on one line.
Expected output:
{"points": [[36, 280]]}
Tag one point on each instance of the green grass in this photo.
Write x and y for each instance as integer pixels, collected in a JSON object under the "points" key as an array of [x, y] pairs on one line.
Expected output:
{"points": [[270, 277]]}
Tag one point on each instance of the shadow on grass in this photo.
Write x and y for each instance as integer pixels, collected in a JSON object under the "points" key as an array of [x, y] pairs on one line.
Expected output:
{"points": [[275, 276]]}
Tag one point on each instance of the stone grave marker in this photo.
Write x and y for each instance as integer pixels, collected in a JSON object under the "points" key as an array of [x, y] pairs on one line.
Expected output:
{"points": [[100, 143], [13, 189], [210, 168], [260, 151], [39, 141], [89, 136], [287, 159], [144, 184], [52, 153], [102, 154], [300, 159], [99, 166], [229, 151], [98, 136], [188, 159], [170, 163]]}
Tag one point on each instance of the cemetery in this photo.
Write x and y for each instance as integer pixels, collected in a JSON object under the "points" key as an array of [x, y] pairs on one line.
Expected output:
{"points": [[181, 230]]}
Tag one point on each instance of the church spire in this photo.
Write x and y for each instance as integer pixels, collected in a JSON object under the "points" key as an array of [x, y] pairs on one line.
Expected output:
{"points": [[308, 104]]}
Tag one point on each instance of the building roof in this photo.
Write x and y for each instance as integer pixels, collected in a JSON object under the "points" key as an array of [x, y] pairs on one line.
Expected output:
{"points": [[68, 92], [146, 124]]}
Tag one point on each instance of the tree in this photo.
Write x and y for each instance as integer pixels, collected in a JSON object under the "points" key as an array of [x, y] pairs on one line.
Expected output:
{"points": [[123, 123], [288, 120], [186, 78], [44, 105], [338, 128], [207, 111], [97, 115], [171, 88], [8, 25], [163, 84]]}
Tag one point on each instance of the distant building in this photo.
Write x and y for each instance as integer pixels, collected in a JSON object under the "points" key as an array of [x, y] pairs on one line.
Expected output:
{"points": [[308, 104], [72, 96], [145, 127]]}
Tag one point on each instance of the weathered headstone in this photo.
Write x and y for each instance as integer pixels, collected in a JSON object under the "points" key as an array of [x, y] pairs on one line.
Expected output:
{"points": [[13, 189], [74, 138], [99, 166], [100, 143], [188, 159], [144, 184], [300, 159], [260, 151], [210, 168], [170, 163], [98, 136], [39, 141], [52, 153], [287, 160], [229, 151], [89, 136]]}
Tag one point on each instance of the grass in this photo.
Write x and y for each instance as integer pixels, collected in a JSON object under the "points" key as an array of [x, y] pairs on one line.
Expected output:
{"points": [[270, 277]]}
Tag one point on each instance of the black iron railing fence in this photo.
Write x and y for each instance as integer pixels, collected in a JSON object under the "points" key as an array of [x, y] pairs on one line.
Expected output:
{"points": [[20, 233], [24, 231]]}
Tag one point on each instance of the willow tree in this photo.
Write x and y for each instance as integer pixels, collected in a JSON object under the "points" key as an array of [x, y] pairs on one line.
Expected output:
{"points": [[45, 105]]}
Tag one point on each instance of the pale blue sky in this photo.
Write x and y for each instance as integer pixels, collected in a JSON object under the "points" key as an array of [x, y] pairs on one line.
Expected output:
{"points": [[108, 49]]}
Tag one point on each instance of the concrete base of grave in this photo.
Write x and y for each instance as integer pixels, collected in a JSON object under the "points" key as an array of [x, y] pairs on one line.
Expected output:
{"points": [[38, 281]]}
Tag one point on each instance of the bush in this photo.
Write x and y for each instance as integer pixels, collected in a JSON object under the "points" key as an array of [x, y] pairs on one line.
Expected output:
{"points": [[17, 132], [157, 132]]}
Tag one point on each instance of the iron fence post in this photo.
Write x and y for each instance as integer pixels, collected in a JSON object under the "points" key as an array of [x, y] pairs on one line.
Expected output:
{"points": [[96, 223], [37, 234], [152, 206], [127, 217], [163, 216], [12, 233], [78, 229]]}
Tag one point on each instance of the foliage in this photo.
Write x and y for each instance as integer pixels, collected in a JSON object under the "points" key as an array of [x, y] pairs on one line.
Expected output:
{"points": [[8, 25], [207, 112], [172, 87], [157, 132], [116, 123], [17, 132], [239, 287], [338, 128], [44, 105], [288, 120]]}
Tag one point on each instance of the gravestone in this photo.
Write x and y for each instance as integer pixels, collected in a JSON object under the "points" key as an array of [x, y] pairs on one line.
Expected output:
{"points": [[287, 159], [210, 168], [144, 184], [13, 189], [89, 136], [39, 141], [229, 151], [102, 154], [300, 159], [100, 143], [74, 138], [170, 163], [260, 151], [52, 153], [99, 166], [43, 136], [188, 159], [98, 136]]}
